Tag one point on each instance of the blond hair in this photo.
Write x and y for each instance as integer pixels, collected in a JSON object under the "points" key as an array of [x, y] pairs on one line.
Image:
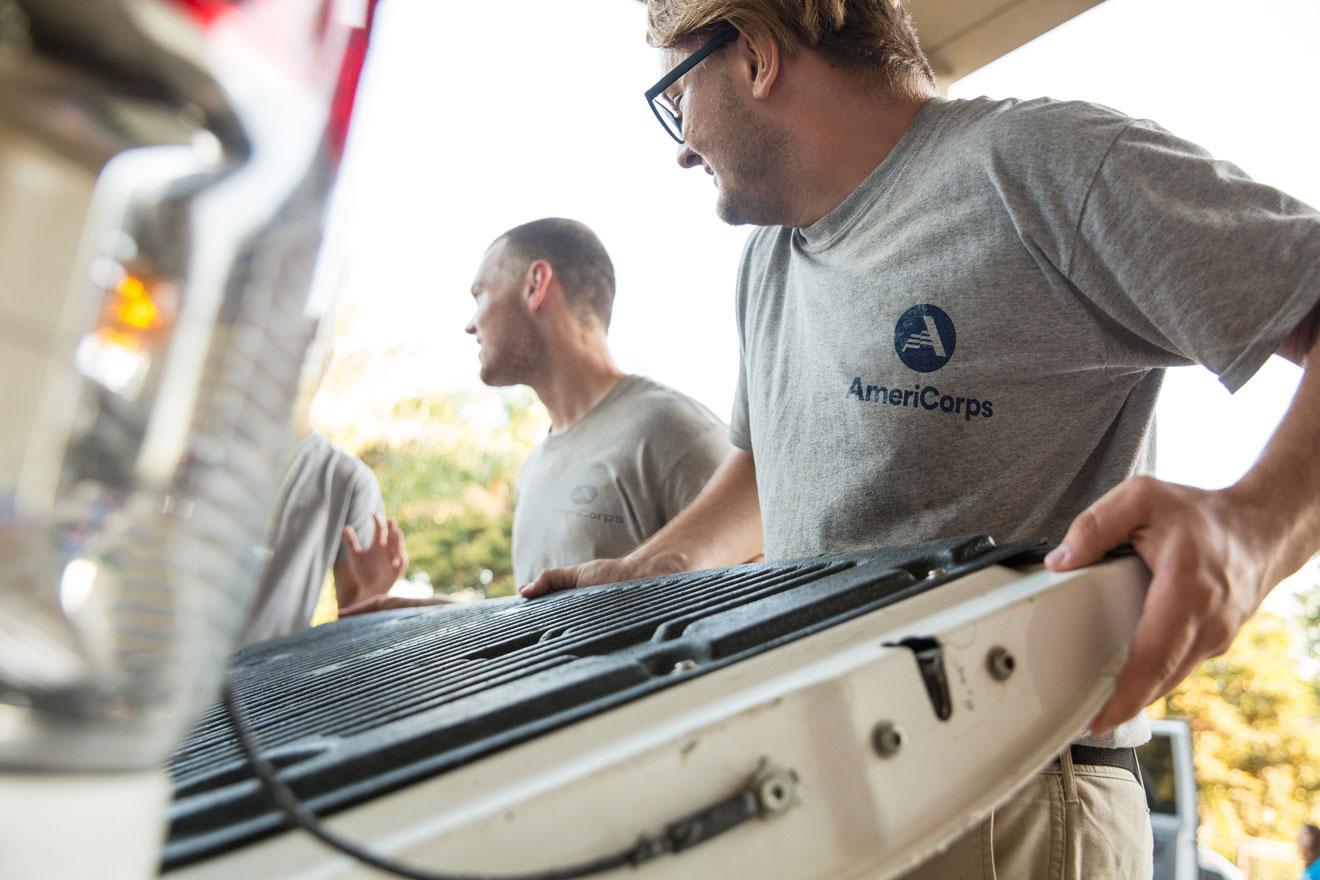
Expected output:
{"points": [[874, 36]]}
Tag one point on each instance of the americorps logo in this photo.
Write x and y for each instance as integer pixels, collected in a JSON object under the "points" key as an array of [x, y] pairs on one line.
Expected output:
{"points": [[919, 396], [583, 494], [925, 338]]}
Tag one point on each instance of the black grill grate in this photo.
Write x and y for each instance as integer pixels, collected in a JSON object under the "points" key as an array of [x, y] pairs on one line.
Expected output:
{"points": [[322, 692], [359, 707]]}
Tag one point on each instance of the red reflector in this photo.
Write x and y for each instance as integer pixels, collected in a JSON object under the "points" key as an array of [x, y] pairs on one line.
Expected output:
{"points": [[207, 11], [350, 73]]}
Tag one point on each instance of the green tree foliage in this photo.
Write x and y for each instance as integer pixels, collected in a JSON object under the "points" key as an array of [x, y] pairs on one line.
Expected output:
{"points": [[447, 465], [1256, 737], [1308, 618]]}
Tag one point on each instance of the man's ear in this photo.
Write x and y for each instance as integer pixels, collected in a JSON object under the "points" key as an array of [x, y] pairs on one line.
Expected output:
{"points": [[539, 275], [760, 57]]}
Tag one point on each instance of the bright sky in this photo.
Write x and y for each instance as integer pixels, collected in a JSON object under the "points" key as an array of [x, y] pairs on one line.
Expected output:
{"points": [[475, 117]]}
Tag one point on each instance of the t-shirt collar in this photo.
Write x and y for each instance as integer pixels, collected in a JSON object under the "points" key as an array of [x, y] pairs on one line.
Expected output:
{"points": [[620, 388], [827, 229]]}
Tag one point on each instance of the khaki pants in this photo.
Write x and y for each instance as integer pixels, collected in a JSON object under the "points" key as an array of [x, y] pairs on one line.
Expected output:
{"points": [[1071, 822]]}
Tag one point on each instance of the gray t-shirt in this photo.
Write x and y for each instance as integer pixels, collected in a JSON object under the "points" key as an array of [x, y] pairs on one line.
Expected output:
{"points": [[614, 478], [974, 339], [324, 489]]}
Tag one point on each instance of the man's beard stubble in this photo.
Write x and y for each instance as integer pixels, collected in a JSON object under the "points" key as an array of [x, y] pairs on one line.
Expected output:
{"points": [[760, 162], [520, 358]]}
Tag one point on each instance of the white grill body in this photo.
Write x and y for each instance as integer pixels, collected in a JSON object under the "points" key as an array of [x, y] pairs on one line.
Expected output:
{"points": [[811, 706]]}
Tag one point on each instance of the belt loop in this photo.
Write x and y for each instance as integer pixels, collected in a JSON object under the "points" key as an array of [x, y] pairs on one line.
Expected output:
{"points": [[1069, 780]]}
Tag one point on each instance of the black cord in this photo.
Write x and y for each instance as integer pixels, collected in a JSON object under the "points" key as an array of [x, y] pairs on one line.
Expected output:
{"points": [[300, 816]]}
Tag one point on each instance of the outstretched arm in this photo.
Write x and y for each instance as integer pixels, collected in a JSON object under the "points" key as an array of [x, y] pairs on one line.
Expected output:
{"points": [[722, 526], [1213, 555]]}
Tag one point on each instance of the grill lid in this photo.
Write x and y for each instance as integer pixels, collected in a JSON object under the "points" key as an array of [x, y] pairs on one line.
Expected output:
{"points": [[357, 708]]}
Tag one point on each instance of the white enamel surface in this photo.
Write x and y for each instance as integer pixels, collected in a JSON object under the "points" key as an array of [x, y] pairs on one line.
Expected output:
{"points": [[76, 826]]}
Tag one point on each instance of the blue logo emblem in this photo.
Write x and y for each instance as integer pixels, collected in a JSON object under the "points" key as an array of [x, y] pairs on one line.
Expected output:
{"points": [[924, 338]]}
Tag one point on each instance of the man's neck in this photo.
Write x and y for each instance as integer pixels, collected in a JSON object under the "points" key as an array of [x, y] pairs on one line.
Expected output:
{"points": [[846, 138], [575, 385]]}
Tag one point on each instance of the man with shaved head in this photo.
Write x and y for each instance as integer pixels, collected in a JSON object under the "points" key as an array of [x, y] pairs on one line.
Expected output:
{"points": [[955, 318], [624, 454]]}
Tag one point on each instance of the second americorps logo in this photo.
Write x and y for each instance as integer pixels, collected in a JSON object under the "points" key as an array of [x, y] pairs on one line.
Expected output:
{"points": [[924, 340], [583, 495]]}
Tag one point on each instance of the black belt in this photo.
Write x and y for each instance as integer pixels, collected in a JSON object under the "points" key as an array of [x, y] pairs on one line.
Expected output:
{"points": [[1123, 759]]}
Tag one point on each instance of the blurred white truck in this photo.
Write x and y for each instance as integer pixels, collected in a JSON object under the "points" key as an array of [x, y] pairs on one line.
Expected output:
{"points": [[1170, 779]]}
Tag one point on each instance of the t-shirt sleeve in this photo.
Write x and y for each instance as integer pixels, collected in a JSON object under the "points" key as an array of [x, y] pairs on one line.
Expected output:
{"points": [[740, 428], [694, 466], [740, 433], [1194, 259], [364, 500]]}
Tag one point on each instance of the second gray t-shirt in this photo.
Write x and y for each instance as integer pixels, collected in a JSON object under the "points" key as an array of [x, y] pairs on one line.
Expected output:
{"points": [[974, 339], [613, 479]]}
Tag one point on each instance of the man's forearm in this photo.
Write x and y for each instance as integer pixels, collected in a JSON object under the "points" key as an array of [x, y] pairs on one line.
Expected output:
{"points": [[722, 525], [1284, 484], [347, 589]]}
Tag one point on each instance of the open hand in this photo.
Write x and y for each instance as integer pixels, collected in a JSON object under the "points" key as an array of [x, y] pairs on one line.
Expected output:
{"points": [[375, 567], [597, 571]]}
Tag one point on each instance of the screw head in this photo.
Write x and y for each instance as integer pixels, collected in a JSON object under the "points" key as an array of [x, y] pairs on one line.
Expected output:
{"points": [[887, 739], [775, 793], [1000, 663]]}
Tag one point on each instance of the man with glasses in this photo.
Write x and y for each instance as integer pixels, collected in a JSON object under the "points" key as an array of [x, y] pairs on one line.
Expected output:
{"points": [[956, 319]]}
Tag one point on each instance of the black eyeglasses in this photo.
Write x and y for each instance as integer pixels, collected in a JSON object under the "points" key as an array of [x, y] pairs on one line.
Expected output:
{"points": [[669, 117]]}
